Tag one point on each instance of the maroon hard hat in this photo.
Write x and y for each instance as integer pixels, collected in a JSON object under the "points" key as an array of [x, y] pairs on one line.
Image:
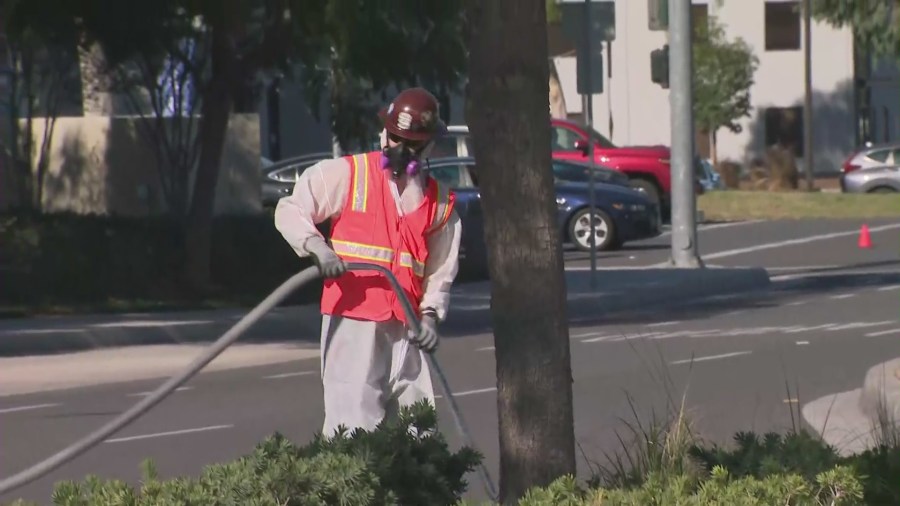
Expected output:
{"points": [[413, 115]]}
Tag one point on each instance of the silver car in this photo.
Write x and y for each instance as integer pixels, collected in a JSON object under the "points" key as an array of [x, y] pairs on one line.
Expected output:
{"points": [[873, 169]]}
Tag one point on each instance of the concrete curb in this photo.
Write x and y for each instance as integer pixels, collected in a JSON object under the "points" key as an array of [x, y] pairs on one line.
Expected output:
{"points": [[852, 421], [880, 396], [618, 290]]}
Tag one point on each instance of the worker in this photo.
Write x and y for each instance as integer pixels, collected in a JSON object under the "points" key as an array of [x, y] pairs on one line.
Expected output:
{"points": [[385, 210]]}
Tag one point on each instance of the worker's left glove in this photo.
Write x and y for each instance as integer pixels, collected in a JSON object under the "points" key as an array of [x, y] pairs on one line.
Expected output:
{"points": [[428, 338]]}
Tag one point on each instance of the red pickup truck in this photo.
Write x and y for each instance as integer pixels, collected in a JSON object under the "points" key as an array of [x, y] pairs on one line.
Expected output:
{"points": [[647, 166]]}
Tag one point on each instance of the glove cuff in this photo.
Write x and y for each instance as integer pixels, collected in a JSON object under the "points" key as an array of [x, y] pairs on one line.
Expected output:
{"points": [[430, 312]]}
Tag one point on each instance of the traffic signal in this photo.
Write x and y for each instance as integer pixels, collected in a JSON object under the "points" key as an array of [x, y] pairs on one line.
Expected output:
{"points": [[659, 66]]}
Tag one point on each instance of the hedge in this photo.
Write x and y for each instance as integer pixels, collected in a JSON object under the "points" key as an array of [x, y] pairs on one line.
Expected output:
{"points": [[85, 261], [407, 461]]}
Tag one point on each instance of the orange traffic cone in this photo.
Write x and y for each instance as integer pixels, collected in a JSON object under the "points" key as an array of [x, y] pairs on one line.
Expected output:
{"points": [[864, 240]]}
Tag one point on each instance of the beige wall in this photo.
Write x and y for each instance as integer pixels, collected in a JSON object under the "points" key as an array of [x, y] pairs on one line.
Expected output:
{"points": [[100, 164]]}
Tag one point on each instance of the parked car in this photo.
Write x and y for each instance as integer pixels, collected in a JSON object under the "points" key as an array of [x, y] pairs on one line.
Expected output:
{"points": [[708, 178], [278, 178], [622, 214], [648, 167], [877, 179], [872, 169], [579, 172], [872, 155]]}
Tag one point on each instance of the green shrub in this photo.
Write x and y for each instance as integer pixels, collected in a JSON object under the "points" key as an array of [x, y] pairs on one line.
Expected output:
{"points": [[836, 487], [401, 462], [86, 261]]}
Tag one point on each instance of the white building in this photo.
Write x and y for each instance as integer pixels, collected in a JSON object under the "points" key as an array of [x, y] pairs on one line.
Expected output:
{"points": [[634, 110]]}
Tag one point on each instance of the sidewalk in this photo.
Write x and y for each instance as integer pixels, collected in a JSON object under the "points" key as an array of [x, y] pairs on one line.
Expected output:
{"points": [[618, 289]]}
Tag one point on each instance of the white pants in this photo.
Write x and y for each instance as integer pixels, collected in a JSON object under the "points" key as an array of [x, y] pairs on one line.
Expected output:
{"points": [[368, 371]]}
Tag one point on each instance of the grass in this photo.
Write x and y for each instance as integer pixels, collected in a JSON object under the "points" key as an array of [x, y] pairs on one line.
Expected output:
{"points": [[747, 205]]}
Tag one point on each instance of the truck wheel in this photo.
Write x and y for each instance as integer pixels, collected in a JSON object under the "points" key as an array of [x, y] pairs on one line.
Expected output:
{"points": [[647, 187]]}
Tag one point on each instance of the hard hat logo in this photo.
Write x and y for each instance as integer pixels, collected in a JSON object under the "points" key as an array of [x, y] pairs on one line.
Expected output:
{"points": [[404, 121]]}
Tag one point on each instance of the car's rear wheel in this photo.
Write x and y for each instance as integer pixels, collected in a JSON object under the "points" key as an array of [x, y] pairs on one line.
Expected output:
{"points": [[580, 230], [882, 189]]}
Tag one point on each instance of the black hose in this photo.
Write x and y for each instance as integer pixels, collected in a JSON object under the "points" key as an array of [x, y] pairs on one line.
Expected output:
{"points": [[227, 339]]}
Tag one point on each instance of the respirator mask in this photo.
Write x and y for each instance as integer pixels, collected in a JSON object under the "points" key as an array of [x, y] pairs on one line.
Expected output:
{"points": [[404, 157]]}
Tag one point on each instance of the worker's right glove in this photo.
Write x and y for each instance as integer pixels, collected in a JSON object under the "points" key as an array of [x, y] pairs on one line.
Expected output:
{"points": [[427, 339], [329, 264]]}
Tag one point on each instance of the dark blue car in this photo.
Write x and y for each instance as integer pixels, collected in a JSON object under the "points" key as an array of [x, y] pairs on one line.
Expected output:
{"points": [[622, 213]]}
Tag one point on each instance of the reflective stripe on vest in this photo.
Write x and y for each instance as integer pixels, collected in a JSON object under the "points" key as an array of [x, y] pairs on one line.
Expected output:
{"points": [[379, 254], [360, 183], [442, 213]]}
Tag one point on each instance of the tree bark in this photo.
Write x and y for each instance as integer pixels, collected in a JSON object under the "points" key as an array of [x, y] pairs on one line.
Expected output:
{"points": [[510, 123], [216, 111]]}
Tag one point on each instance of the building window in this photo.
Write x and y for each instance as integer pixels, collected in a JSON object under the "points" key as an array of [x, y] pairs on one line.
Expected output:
{"points": [[782, 26], [784, 127]]}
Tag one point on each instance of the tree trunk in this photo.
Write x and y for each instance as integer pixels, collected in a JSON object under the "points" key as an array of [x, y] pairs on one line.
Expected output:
{"points": [[510, 124], [215, 110], [713, 153]]}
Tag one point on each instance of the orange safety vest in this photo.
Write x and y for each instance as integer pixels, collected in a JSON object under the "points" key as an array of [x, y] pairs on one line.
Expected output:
{"points": [[370, 229]]}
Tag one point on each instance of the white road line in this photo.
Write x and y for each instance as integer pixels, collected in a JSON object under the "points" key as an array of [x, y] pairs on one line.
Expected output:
{"points": [[169, 433], [663, 324], [862, 325], [711, 357], [290, 374], [735, 313], [802, 343], [798, 303], [843, 296], [470, 392], [586, 334], [807, 329], [27, 408], [889, 288], [486, 348], [141, 394], [883, 333], [597, 339], [791, 242]]}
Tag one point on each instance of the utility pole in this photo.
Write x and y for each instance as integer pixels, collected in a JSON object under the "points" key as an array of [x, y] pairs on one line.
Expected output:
{"points": [[807, 98], [681, 99]]}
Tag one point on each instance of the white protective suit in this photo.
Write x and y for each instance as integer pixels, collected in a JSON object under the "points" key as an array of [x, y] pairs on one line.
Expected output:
{"points": [[365, 363]]}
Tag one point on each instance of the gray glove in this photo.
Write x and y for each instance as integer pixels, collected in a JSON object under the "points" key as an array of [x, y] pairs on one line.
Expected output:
{"points": [[329, 264], [428, 338]]}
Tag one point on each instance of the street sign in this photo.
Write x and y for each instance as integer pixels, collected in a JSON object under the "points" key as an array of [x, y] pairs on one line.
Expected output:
{"points": [[602, 18], [600, 25]]}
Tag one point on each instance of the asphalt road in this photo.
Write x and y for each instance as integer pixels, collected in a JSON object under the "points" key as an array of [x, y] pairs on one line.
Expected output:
{"points": [[744, 363]]}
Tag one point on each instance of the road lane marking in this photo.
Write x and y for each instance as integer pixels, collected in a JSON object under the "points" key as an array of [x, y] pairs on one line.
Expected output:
{"points": [[290, 374], [798, 303], [142, 394], [586, 334], [663, 324], [802, 343], [790, 242], [598, 339], [843, 296], [486, 348], [32, 407], [860, 325], [469, 392], [169, 433], [889, 288], [711, 357], [883, 333]]}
